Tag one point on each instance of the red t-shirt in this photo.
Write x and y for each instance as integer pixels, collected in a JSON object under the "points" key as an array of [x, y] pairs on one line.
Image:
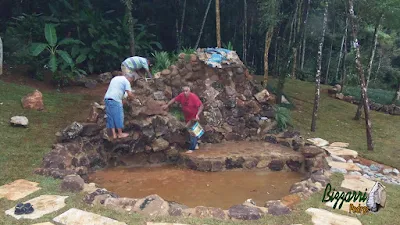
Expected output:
{"points": [[190, 105]]}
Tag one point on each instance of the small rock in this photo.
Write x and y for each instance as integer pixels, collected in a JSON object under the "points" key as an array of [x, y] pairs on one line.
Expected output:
{"points": [[367, 176], [374, 167], [276, 208], [19, 121], [396, 172], [338, 170], [379, 175], [349, 161], [355, 173], [72, 183], [338, 158], [33, 100], [243, 212], [387, 171]]}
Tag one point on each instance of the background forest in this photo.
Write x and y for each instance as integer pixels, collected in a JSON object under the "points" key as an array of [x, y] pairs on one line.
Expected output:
{"points": [[278, 38]]}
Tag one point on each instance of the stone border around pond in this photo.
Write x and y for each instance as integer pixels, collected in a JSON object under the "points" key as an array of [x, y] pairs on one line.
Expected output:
{"points": [[154, 205]]}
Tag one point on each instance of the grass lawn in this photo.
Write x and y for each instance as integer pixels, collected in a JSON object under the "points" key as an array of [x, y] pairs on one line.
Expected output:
{"points": [[22, 149]]}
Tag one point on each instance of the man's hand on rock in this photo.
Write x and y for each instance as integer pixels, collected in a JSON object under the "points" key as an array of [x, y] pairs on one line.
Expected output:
{"points": [[164, 107]]}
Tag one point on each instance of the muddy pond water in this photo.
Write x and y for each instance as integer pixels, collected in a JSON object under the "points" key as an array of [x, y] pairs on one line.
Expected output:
{"points": [[194, 188]]}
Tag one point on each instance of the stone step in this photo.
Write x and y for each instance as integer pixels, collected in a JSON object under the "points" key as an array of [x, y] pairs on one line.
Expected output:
{"points": [[340, 151], [18, 189], [342, 165], [42, 205], [324, 217], [80, 217], [248, 155], [357, 183], [318, 142]]}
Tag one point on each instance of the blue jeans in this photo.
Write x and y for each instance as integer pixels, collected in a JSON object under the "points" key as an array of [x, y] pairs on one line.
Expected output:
{"points": [[193, 142], [115, 114]]}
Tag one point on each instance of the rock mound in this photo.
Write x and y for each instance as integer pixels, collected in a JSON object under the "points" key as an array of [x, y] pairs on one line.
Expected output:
{"points": [[234, 109]]}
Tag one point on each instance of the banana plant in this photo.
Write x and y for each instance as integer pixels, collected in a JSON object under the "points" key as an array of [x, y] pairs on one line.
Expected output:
{"points": [[53, 46]]}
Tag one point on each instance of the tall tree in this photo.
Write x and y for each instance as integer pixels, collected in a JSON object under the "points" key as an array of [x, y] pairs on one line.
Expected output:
{"points": [[269, 10], [202, 24], [179, 45], [245, 31], [318, 74], [360, 70], [341, 48], [218, 22], [128, 10], [371, 60], [303, 49]]}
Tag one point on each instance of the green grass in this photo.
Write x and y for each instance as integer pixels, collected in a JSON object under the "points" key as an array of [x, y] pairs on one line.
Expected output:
{"points": [[335, 123], [380, 96], [22, 149]]}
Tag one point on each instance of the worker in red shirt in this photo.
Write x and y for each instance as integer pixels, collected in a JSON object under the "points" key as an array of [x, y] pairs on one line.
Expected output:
{"points": [[191, 107]]}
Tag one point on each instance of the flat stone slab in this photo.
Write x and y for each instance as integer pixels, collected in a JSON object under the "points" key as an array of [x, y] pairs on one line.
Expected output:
{"points": [[18, 189], [340, 151], [247, 155], [324, 217], [357, 183], [80, 217], [42, 205], [345, 205], [318, 142], [340, 144], [342, 165], [47, 223]]}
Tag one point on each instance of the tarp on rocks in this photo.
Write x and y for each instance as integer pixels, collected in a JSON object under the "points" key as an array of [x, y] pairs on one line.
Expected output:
{"points": [[218, 57]]}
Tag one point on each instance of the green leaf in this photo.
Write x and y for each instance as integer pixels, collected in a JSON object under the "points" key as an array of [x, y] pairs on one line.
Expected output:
{"points": [[65, 56], [50, 34], [157, 44], [81, 58], [37, 48], [75, 51], [53, 63], [68, 41]]}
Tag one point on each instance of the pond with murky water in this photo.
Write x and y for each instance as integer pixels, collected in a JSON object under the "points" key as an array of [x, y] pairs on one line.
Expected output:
{"points": [[194, 188]]}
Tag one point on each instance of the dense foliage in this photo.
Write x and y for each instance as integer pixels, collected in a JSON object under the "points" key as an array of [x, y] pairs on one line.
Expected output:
{"points": [[100, 31]]}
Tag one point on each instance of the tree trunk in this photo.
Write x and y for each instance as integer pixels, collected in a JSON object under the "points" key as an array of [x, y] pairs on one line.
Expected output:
{"points": [[202, 25], [364, 95], [268, 38], [371, 60], [128, 4], [218, 21], [343, 80], [341, 50], [318, 74], [379, 63], [181, 28], [396, 96], [1, 56], [294, 63], [245, 32], [329, 64], [304, 35]]}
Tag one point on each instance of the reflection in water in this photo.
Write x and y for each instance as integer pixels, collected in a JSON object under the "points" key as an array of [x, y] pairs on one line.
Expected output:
{"points": [[194, 188]]}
